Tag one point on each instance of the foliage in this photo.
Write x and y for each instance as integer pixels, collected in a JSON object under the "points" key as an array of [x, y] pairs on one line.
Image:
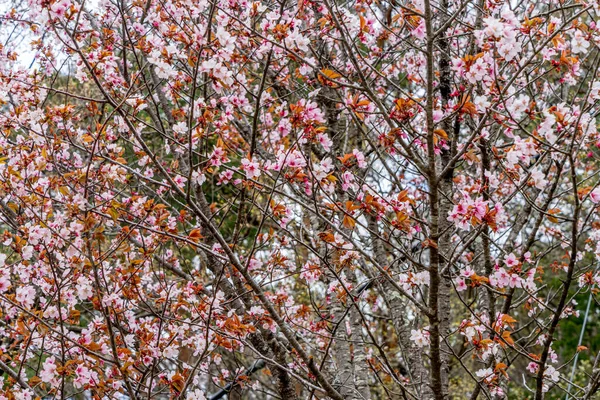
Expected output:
{"points": [[299, 199]]}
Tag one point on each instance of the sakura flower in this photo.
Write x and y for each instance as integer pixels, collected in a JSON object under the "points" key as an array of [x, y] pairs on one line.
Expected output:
{"points": [[84, 288], [163, 69], [60, 7], [26, 296], [325, 141], [595, 195], [295, 160], [460, 285], [487, 374], [322, 170], [360, 158], [251, 168], [198, 178], [551, 373], [493, 27], [180, 128], [468, 212], [482, 103], [511, 260], [225, 177], [27, 252], [421, 278], [500, 278], [533, 367], [254, 264], [578, 43], [170, 352], [180, 181], [48, 373], [295, 40], [4, 284], [538, 178], [348, 181], [256, 311], [310, 273], [218, 157], [419, 31], [546, 128], [594, 92], [420, 337], [197, 394], [467, 272]]}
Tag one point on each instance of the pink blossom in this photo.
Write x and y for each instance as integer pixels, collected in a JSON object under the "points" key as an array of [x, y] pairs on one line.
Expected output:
{"points": [[461, 286], [360, 158], [511, 260], [251, 168], [48, 373], [595, 195], [420, 337]]}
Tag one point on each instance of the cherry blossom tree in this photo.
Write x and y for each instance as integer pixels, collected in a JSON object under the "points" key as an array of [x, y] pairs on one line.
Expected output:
{"points": [[298, 199]]}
